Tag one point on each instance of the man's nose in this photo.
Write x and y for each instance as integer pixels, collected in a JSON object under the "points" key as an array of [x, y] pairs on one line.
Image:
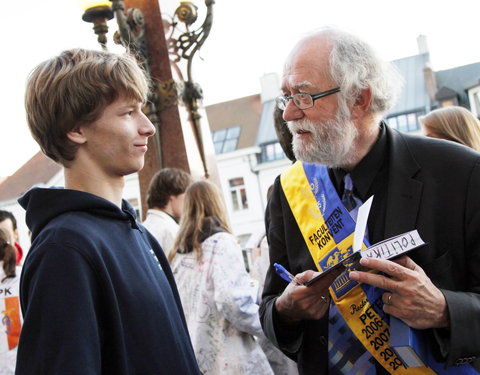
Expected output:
{"points": [[292, 112], [147, 127]]}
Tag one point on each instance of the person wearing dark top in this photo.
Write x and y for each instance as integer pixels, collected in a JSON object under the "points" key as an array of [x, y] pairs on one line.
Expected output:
{"points": [[335, 93], [97, 293]]}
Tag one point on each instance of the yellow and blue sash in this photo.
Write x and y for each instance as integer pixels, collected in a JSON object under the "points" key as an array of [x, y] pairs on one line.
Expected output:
{"points": [[327, 229]]}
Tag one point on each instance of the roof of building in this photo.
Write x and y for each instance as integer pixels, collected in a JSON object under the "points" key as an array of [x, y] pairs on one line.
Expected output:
{"points": [[445, 93], [38, 170], [245, 112], [459, 79], [413, 95]]}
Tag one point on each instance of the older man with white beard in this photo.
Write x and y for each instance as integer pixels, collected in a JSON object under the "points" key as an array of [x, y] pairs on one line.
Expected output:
{"points": [[335, 93]]}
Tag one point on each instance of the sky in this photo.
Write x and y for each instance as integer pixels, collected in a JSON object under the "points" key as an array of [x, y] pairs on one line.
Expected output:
{"points": [[249, 38]]}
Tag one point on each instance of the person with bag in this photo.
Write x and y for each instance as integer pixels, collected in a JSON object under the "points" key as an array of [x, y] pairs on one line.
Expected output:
{"points": [[218, 296]]}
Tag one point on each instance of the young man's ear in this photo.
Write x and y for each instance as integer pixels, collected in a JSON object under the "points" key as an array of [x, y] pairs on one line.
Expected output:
{"points": [[362, 103], [76, 135]]}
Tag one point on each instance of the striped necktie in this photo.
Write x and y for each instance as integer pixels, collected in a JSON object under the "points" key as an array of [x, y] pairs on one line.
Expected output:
{"points": [[351, 202]]}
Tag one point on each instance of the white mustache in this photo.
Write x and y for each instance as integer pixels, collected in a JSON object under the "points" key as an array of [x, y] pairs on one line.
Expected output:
{"points": [[299, 126]]}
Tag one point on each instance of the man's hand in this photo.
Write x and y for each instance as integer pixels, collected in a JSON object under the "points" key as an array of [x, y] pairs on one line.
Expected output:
{"points": [[299, 302], [412, 297]]}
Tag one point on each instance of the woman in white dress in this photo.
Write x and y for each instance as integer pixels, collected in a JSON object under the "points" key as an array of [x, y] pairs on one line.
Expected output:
{"points": [[218, 296], [10, 314]]}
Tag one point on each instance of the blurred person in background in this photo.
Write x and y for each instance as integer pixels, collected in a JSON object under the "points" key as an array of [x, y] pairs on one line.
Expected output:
{"points": [[218, 296], [453, 123], [165, 204], [280, 363], [8, 221], [9, 303], [284, 135]]}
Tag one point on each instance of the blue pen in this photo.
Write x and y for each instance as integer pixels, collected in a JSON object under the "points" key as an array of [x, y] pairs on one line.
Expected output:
{"points": [[284, 274]]}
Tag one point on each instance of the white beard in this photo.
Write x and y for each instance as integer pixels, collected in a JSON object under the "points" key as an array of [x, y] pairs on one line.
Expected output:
{"points": [[331, 143]]}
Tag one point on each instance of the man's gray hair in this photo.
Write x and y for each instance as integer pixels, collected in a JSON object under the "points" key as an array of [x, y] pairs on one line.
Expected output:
{"points": [[354, 66]]}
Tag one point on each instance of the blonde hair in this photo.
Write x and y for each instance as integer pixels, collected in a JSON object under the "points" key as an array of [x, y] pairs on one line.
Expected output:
{"points": [[203, 204], [74, 88], [454, 123]]}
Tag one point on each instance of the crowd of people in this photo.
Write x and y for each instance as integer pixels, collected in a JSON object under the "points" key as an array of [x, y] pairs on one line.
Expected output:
{"points": [[103, 293]]}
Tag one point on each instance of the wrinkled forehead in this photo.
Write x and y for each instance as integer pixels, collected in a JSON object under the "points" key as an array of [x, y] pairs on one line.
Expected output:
{"points": [[307, 65]]}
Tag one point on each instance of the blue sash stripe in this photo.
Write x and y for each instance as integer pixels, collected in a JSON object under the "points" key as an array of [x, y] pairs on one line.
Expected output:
{"points": [[347, 351], [365, 365], [329, 202]]}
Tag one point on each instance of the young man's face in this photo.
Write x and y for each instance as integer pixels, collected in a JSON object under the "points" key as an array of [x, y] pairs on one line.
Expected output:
{"points": [[117, 142]]}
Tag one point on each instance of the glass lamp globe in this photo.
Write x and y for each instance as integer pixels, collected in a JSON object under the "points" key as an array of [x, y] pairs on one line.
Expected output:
{"points": [[88, 4]]}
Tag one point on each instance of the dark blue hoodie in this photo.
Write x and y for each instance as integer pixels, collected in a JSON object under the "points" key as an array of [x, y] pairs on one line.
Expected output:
{"points": [[97, 293]]}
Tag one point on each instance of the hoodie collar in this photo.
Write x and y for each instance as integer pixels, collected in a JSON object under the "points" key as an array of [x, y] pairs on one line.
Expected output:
{"points": [[44, 204]]}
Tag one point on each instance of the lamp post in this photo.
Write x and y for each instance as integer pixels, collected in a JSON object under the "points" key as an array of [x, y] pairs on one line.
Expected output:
{"points": [[184, 45], [140, 28], [98, 13]]}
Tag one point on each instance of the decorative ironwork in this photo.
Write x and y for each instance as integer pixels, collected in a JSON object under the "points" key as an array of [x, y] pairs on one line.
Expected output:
{"points": [[131, 34], [131, 31], [168, 93], [185, 46]]}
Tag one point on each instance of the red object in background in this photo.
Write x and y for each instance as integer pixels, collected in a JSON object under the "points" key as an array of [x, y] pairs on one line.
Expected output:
{"points": [[19, 253]]}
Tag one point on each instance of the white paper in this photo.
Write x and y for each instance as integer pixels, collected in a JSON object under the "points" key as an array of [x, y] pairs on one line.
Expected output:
{"points": [[361, 225], [394, 246]]}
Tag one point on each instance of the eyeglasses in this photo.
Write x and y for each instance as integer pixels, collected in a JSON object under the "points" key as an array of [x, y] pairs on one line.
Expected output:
{"points": [[303, 100]]}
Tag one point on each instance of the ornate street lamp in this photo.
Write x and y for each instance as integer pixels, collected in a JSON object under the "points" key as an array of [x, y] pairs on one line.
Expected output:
{"points": [[181, 45], [184, 44], [98, 12]]}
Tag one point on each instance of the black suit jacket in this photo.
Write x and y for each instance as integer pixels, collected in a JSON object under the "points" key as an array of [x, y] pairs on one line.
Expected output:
{"points": [[433, 186]]}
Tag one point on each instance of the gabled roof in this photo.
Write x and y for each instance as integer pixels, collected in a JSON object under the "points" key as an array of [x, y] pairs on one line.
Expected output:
{"points": [[244, 111], [445, 93], [38, 170], [459, 79]]}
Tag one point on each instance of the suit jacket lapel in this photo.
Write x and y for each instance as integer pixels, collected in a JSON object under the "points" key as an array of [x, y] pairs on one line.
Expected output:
{"points": [[404, 191]]}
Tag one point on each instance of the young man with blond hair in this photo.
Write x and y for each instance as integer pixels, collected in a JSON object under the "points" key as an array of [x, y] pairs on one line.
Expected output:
{"points": [[97, 293]]}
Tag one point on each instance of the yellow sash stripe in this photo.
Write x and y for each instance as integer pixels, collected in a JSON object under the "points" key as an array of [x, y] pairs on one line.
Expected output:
{"points": [[370, 329]]}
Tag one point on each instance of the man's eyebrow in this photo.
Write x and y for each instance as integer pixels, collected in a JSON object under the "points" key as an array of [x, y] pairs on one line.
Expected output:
{"points": [[300, 85], [131, 102]]}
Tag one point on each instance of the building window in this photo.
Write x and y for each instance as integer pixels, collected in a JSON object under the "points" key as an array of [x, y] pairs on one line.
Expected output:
{"points": [[238, 194], [225, 140], [407, 122], [270, 152], [474, 96]]}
